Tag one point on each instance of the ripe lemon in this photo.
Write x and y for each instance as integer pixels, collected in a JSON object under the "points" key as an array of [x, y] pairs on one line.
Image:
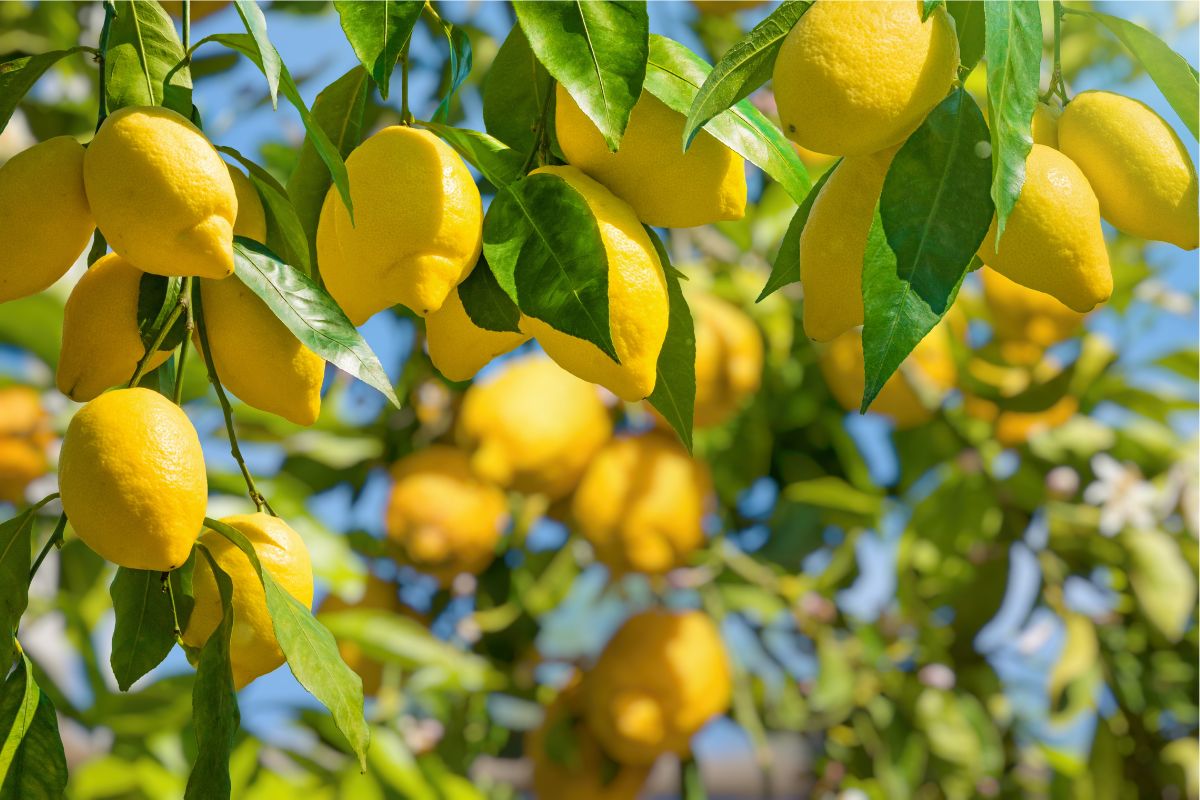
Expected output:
{"points": [[379, 595], [1045, 124], [45, 221], [25, 437], [101, 345], [729, 358], [1140, 170], [930, 362], [641, 504], [665, 186], [442, 518], [834, 242], [458, 347], [855, 78], [251, 220], [417, 230], [1015, 428], [637, 300], [533, 428], [660, 679], [132, 479], [161, 195], [1025, 322], [253, 649], [1053, 242]]}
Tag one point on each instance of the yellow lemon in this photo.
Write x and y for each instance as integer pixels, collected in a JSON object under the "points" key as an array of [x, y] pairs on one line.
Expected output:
{"points": [[1045, 124], [1026, 322], [660, 679], [930, 362], [251, 220], [25, 437], [637, 300], [665, 186], [533, 428], [161, 195], [45, 221], [417, 229], [458, 347], [1052, 241], [729, 358], [379, 595], [855, 78], [816, 162], [443, 519], [834, 242], [132, 479], [1015, 428], [641, 504], [101, 344], [1140, 170], [253, 649]]}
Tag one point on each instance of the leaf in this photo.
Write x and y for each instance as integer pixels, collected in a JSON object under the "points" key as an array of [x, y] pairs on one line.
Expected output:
{"points": [[744, 67], [544, 245], [968, 23], [37, 767], [311, 652], [18, 704], [1013, 50], [498, 164], [18, 75], [674, 394], [515, 91], [1162, 581], [935, 211], [460, 66], [157, 297], [1079, 654], [674, 74], [691, 780], [285, 233], [1171, 72], [268, 57], [309, 313], [145, 624], [16, 557], [597, 51], [214, 702], [486, 303], [785, 268], [378, 32], [144, 65]]}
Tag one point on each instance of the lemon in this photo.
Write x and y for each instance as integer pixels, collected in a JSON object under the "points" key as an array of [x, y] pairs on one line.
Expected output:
{"points": [[641, 504], [442, 518], [834, 242], [1045, 124], [458, 347], [1015, 428], [637, 300], [1025, 322], [660, 679], [1140, 170], [161, 195], [25, 437], [814, 161], [417, 229], [665, 186], [253, 649], [1052, 241], [855, 78], [45, 222], [379, 595], [101, 344], [132, 479], [729, 358], [930, 362], [251, 220], [533, 428]]}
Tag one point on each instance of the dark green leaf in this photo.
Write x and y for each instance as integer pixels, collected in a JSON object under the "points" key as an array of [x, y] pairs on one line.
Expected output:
{"points": [[144, 64], [498, 164], [460, 66], [311, 652], [968, 22], [36, 766], [744, 67], [785, 268], [928, 7], [157, 298], [597, 51], [309, 313], [544, 246], [16, 557], [18, 705], [378, 32], [674, 74], [486, 303], [18, 75], [285, 234], [674, 394], [1013, 50], [268, 56], [515, 90], [935, 211], [145, 623]]}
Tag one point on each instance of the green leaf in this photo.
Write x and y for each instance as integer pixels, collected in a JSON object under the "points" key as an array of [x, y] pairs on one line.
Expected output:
{"points": [[309, 313], [785, 268], [691, 780], [36, 766], [744, 67], [268, 56], [486, 303], [17, 76], [935, 211], [499, 164], [597, 51], [18, 705], [214, 702], [674, 74], [928, 7], [515, 90], [145, 623], [1171, 72], [544, 245], [16, 558], [285, 233], [968, 22], [1162, 581], [34, 323], [674, 394], [145, 65], [1013, 50], [460, 66], [378, 32], [157, 297], [311, 652]]}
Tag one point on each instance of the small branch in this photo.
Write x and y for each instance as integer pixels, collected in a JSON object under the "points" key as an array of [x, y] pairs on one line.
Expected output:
{"points": [[1057, 85], [406, 117], [55, 540], [170, 590], [187, 23], [102, 108], [159, 338], [185, 298]]}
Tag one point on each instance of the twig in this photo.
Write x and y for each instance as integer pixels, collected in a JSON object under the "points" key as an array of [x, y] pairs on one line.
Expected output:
{"points": [[55, 539], [185, 298], [159, 338], [406, 117], [187, 23], [1057, 85]]}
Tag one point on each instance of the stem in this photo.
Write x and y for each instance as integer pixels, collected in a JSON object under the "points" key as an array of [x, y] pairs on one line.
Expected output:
{"points": [[185, 298], [187, 23], [159, 338], [170, 590], [54, 540], [539, 136], [406, 116], [1057, 85], [102, 107]]}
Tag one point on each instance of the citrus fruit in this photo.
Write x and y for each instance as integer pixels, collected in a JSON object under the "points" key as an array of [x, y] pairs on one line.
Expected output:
{"points": [[1025, 322], [251, 220], [458, 347], [25, 437], [729, 358]]}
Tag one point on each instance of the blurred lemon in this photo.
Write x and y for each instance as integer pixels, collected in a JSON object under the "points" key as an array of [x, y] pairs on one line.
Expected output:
{"points": [[25, 436], [251, 220], [1014, 428], [1025, 322], [729, 358], [458, 347]]}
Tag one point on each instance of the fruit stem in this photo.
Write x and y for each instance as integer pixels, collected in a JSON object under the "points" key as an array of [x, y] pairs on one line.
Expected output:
{"points": [[102, 107], [187, 23], [55, 540], [1057, 85], [406, 117], [185, 299], [538, 151], [166, 582], [158, 340]]}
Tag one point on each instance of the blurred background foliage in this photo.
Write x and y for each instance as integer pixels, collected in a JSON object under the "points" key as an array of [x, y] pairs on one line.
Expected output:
{"points": [[992, 598]]}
